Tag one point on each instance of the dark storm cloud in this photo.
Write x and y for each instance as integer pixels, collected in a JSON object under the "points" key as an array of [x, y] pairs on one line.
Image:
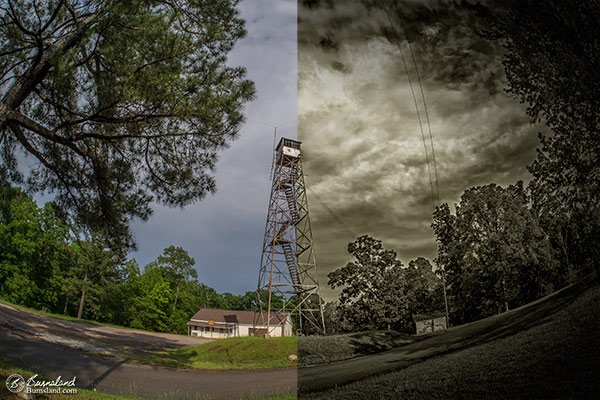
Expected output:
{"points": [[363, 148]]}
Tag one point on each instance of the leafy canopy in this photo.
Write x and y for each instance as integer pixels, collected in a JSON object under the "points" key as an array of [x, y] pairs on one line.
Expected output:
{"points": [[119, 103], [494, 253], [552, 59], [373, 286]]}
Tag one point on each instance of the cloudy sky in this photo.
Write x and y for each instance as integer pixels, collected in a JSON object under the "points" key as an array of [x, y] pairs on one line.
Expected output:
{"points": [[363, 148], [224, 232]]}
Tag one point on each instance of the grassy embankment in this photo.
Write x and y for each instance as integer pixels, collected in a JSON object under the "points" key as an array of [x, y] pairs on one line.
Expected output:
{"points": [[554, 355], [316, 350], [238, 353]]}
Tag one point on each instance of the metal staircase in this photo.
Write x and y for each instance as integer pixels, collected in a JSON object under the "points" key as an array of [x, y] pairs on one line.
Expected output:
{"points": [[290, 259], [293, 208]]}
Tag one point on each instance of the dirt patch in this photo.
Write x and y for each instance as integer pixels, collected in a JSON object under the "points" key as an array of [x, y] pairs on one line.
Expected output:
{"points": [[96, 339]]}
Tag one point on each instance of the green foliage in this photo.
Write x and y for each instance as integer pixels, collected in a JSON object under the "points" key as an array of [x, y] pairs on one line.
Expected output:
{"points": [[150, 308], [43, 264], [165, 295], [32, 245], [179, 267], [493, 251], [247, 301], [94, 273], [121, 103]]}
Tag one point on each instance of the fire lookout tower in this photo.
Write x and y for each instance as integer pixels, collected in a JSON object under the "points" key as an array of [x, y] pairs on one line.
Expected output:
{"points": [[288, 271]]}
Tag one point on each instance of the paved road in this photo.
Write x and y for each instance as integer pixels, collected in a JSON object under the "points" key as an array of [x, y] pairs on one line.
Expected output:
{"points": [[321, 377], [49, 358]]}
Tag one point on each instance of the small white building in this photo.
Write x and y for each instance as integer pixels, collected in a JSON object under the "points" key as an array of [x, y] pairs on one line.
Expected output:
{"points": [[426, 323], [219, 324]]}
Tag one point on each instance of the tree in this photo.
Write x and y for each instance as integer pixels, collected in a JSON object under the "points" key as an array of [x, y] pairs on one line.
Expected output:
{"points": [[373, 286], [493, 251], [551, 60], [207, 297], [119, 296], [249, 301], [424, 287], [333, 320], [96, 268], [552, 55], [151, 306], [179, 267], [33, 247], [120, 103]]}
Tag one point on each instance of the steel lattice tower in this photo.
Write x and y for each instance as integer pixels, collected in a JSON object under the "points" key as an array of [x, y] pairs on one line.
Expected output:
{"points": [[288, 271]]}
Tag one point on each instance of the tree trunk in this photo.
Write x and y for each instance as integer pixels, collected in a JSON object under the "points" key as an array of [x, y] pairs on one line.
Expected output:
{"points": [[176, 296], [82, 299], [445, 297], [504, 295], [66, 304]]}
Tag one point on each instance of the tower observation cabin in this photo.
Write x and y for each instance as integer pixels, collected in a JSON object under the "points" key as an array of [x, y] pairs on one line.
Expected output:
{"points": [[287, 151]]}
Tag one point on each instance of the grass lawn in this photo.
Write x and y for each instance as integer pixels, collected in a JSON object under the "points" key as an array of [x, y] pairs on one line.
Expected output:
{"points": [[556, 358], [314, 350], [231, 353]]}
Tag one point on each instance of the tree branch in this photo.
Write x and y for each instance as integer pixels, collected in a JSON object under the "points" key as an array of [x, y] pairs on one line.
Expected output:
{"points": [[52, 17], [25, 143], [29, 124], [25, 84], [15, 20]]}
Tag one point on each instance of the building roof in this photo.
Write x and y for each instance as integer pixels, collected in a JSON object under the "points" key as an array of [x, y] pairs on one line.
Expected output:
{"points": [[424, 317], [236, 316], [289, 143]]}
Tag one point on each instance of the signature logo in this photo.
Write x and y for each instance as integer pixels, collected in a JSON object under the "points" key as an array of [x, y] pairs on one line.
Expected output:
{"points": [[15, 383]]}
